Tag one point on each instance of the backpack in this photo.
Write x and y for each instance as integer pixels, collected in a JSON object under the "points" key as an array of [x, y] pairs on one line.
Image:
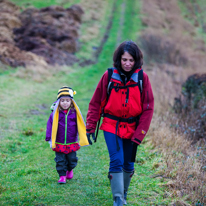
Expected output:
{"points": [[110, 72], [109, 88]]}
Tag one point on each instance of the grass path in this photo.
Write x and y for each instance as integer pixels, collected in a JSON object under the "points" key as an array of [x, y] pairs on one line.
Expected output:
{"points": [[28, 175]]}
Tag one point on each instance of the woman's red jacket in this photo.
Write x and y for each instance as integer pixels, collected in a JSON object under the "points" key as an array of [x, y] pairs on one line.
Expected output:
{"points": [[138, 104]]}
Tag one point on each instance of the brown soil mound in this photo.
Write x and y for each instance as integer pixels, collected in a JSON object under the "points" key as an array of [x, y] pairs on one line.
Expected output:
{"points": [[9, 53], [48, 35]]}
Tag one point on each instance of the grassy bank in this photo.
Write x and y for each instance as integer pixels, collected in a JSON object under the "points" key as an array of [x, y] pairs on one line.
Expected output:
{"points": [[28, 175], [169, 27], [41, 4]]}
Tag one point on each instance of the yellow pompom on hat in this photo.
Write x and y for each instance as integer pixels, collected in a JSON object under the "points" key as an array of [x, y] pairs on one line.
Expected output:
{"points": [[81, 126]]}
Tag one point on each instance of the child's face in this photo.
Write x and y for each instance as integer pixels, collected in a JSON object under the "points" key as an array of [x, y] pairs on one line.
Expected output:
{"points": [[65, 102]]}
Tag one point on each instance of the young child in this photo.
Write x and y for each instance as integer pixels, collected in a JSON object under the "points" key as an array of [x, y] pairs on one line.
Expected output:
{"points": [[63, 127]]}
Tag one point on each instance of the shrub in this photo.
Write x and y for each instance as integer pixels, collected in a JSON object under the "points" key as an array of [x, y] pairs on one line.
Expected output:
{"points": [[191, 107]]}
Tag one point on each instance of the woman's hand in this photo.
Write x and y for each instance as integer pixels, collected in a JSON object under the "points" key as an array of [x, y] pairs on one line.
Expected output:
{"points": [[93, 137]]}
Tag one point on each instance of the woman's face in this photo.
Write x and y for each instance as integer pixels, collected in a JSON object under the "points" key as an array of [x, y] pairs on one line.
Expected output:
{"points": [[65, 102], [127, 62]]}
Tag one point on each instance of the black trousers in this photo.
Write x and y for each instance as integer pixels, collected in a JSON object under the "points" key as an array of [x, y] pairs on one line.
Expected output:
{"points": [[65, 162]]}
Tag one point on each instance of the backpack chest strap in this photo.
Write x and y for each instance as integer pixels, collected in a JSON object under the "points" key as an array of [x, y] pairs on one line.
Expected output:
{"points": [[117, 87]]}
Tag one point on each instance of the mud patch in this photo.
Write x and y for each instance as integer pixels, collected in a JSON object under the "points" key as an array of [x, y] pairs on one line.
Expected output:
{"points": [[38, 111], [38, 37], [50, 32], [35, 112]]}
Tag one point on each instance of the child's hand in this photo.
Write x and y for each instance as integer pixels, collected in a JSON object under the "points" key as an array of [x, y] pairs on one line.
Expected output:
{"points": [[50, 143], [93, 137]]}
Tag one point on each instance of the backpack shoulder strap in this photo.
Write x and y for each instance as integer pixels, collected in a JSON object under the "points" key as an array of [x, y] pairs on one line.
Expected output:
{"points": [[140, 80], [110, 72]]}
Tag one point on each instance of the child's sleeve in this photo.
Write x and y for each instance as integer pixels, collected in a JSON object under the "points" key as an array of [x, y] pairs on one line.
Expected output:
{"points": [[49, 128]]}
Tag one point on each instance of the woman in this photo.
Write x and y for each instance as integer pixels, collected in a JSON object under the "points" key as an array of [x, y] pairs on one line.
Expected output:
{"points": [[126, 102]]}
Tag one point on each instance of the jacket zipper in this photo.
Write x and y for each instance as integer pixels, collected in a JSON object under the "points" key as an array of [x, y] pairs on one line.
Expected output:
{"points": [[147, 100], [66, 127]]}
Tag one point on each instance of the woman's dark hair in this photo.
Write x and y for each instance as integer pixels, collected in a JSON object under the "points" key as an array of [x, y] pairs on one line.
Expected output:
{"points": [[132, 49]]}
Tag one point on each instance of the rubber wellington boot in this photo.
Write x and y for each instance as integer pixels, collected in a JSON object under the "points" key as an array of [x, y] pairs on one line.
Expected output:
{"points": [[69, 174], [117, 186], [127, 178], [62, 180]]}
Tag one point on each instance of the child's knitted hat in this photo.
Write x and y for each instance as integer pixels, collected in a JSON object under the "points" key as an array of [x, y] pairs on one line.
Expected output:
{"points": [[66, 91]]}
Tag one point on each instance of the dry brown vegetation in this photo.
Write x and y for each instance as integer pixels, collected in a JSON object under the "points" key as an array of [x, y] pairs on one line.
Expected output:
{"points": [[197, 13], [174, 51]]}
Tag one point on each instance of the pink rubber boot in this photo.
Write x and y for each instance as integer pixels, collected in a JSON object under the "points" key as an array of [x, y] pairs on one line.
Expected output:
{"points": [[62, 180], [69, 174]]}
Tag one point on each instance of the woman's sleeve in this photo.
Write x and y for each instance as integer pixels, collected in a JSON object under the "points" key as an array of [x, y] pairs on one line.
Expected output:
{"points": [[97, 103], [49, 128], [147, 111]]}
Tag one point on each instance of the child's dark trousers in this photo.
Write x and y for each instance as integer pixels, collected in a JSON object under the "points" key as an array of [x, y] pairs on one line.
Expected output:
{"points": [[65, 162]]}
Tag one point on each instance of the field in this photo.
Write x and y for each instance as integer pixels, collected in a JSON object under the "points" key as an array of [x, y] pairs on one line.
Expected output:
{"points": [[169, 170]]}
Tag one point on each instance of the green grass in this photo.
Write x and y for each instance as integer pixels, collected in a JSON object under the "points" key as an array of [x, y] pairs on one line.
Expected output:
{"points": [[28, 175], [40, 4], [200, 16]]}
